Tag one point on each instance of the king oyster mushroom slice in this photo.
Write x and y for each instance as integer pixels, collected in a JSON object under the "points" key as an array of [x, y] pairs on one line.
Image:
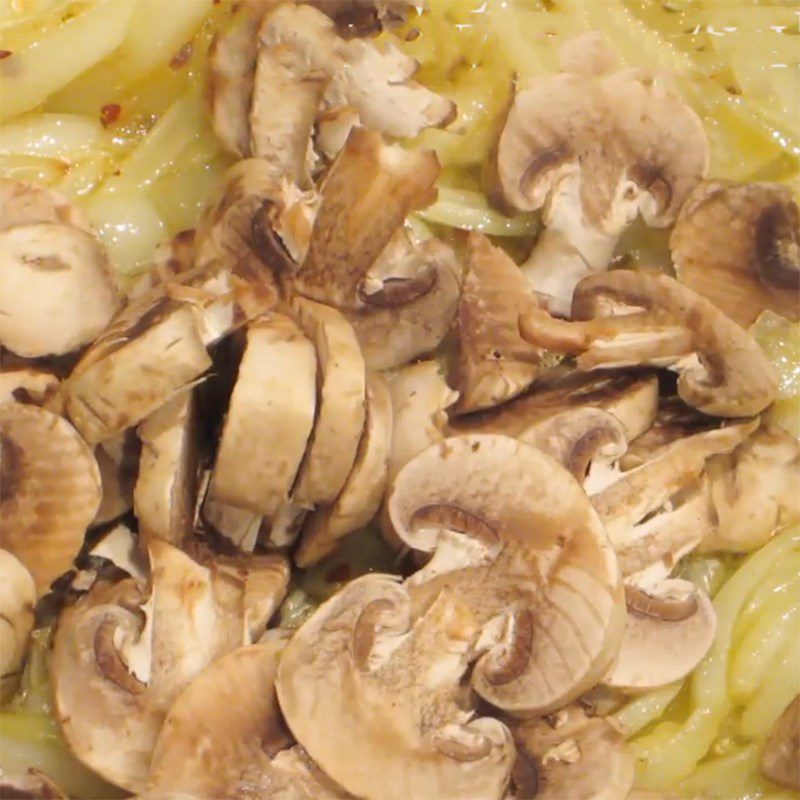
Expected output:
{"points": [[512, 533], [124, 652], [57, 287], [360, 498], [494, 362], [118, 462], [738, 244], [24, 203], [50, 490], [224, 737], [594, 149], [389, 683], [780, 758], [341, 398], [627, 318], [570, 754], [269, 419], [17, 598]]}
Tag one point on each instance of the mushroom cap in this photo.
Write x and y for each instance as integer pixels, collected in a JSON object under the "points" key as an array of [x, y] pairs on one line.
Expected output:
{"points": [[269, 419], [17, 598], [25, 203], [726, 373], [50, 490], [781, 754], [59, 291], [570, 754], [388, 685], [511, 529], [738, 244], [361, 495], [341, 397], [668, 630]]}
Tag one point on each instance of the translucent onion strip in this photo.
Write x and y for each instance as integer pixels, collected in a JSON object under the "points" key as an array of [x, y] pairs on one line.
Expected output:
{"points": [[638, 713], [67, 137]]}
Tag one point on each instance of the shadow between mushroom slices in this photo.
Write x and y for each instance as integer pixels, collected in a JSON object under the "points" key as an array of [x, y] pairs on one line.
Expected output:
{"points": [[17, 598], [118, 462], [501, 515]]}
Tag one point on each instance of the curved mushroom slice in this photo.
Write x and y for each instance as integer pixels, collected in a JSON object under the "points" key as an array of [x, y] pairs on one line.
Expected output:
{"points": [[739, 246], [57, 287], [31, 386], [360, 497], [389, 685], [166, 487], [269, 418], [118, 462], [224, 737], [494, 362], [570, 754], [514, 535], [594, 151], [17, 598], [24, 203], [780, 758], [50, 490], [670, 627], [122, 654], [33, 785], [340, 404]]}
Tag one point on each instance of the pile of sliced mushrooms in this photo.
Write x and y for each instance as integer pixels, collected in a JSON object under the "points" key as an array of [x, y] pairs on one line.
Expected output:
{"points": [[541, 446]]}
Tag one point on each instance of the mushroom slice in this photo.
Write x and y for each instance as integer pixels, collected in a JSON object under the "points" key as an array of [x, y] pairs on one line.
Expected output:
{"points": [[780, 758], [50, 490], [24, 203], [17, 598], [269, 418], [570, 754], [670, 627], [594, 151], [166, 488], [123, 653], [360, 497], [238, 525], [389, 685], [340, 404], [172, 257], [33, 785], [513, 534], [224, 737], [57, 287], [738, 244], [494, 363], [32, 386], [118, 462]]}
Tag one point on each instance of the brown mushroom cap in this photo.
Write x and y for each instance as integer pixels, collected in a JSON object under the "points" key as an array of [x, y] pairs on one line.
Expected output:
{"points": [[739, 246], [50, 490], [780, 758], [17, 598]]}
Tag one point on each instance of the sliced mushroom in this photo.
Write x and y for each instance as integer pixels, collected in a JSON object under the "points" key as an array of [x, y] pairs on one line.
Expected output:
{"points": [[670, 628], [269, 418], [570, 754], [340, 404], [513, 534], [238, 525], [33, 785], [49, 490], [494, 363], [29, 385], [738, 244], [172, 257], [124, 652], [360, 497], [24, 203], [780, 758], [17, 598], [118, 462], [594, 149], [224, 737], [389, 686], [57, 287], [166, 487]]}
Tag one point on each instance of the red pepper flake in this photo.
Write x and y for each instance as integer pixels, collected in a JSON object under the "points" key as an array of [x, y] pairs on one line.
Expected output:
{"points": [[181, 58], [109, 113], [5, 53]]}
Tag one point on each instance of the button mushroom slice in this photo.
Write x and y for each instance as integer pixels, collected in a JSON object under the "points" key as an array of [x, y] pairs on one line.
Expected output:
{"points": [[25, 203], [57, 287], [32, 386], [738, 244], [494, 362], [124, 652], [33, 785], [669, 628], [224, 737], [50, 490], [17, 598], [390, 684], [166, 487], [238, 525], [594, 151], [501, 515], [780, 758], [118, 462], [570, 754], [172, 257], [341, 397], [269, 419], [360, 497]]}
